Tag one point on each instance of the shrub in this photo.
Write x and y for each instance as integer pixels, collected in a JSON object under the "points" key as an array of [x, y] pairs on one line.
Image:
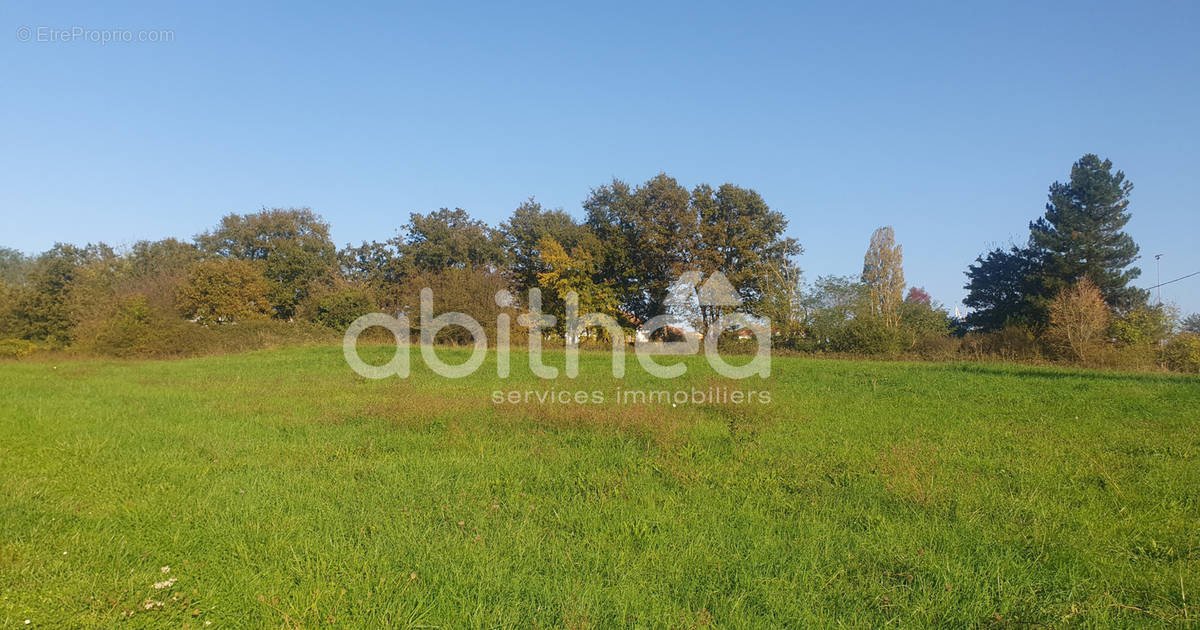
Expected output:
{"points": [[260, 334], [223, 290], [9, 296], [16, 348], [338, 309], [937, 347], [126, 333], [1142, 326], [128, 330], [925, 326], [1137, 357], [1078, 320], [1011, 343], [469, 290], [1183, 353], [131, 326], [866, 334]]}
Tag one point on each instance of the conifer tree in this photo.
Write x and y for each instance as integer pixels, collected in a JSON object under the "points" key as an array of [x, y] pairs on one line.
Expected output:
{"points": [[1082, 235]]}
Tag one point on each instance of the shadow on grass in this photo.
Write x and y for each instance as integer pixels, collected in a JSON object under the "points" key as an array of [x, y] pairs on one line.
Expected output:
{"points": [[1058, 373]]}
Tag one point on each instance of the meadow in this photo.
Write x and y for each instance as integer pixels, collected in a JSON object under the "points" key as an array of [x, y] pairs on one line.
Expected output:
{"points": [[279, 489]]}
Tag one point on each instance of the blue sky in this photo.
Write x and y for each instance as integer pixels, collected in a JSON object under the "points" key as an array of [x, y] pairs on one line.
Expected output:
{"points": [[947, 121]]}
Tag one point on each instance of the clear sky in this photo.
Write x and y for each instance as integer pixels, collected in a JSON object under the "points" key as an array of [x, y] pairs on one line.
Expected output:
{"points": [[947, 121]]}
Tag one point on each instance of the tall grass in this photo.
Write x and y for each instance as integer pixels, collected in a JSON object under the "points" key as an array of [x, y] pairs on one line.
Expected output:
{"points": [[279, 489]]}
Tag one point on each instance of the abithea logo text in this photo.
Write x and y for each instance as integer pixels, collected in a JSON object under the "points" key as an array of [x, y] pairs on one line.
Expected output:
{"points": [[714, 292]]}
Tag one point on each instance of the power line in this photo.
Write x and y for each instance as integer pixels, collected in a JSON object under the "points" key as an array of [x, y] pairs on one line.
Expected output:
{"points": [[1197, 273]]}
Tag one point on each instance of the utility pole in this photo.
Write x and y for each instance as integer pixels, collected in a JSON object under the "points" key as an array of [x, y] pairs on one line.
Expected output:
{"points": [[1158, 273]]}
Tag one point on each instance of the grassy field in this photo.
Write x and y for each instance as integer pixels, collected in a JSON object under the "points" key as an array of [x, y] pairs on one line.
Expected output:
{"points": [[282, 490]]}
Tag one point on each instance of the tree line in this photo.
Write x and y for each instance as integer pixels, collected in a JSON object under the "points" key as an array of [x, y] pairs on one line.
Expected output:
{"points": [[276, 275]]}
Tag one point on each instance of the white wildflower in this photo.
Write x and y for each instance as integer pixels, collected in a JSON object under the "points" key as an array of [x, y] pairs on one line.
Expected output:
{"points": [[165, 584]]}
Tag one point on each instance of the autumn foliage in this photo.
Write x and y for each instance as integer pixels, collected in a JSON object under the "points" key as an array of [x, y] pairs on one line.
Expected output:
{"points": [[1078, 320]]}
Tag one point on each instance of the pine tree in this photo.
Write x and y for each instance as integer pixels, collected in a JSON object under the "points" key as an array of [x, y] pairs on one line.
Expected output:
{"points": [[1081, 235]]}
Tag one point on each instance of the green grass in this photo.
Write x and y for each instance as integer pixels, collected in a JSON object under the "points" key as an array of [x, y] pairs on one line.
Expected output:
{"points": [[282, 490]]}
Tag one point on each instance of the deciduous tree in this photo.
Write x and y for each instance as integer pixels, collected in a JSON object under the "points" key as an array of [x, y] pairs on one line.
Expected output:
{"points": [[470, 290], [224, 290], [918, 295], [571, 272], [447, 239], [56, 288], [650, 237], [14, 266], [524, 232], [148, 258], [883, 273], [293, 244], [783, 301], [743, 238], [1191, 324], [375, 264], [612, 219], [1078, 319]]}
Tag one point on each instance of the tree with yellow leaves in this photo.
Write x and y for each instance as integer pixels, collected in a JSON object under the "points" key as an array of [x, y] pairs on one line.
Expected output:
{"points": [[571, 272], [1078, 319], [883, 274]]}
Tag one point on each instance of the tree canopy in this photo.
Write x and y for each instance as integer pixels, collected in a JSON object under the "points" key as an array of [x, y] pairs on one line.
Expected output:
{"points": [[637, 251], [293, 244], [524, 234], [883, 274], [743, 238], [1081, 235], [450, 238]]}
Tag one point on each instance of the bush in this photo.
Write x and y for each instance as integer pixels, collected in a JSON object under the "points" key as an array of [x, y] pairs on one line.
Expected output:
{"points": [[338, 309], [791, 336], [865, 334], [16, 348], [1183, 353], [264, 333], [130, 327], [9, 297], [465, 290], [128, 331], [1142, 326], [224, 290], [1012, 343], [1078, 320], [159, 336], [133, 327], [937, 347]]}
